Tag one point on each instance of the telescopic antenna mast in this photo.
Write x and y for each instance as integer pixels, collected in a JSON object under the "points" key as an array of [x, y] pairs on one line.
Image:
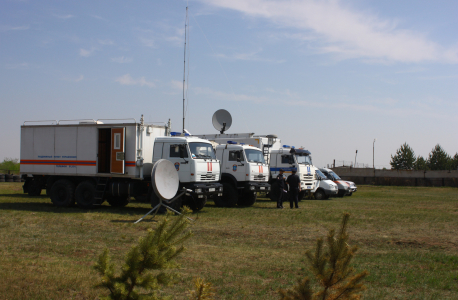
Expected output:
{"points": [[184, 68]]}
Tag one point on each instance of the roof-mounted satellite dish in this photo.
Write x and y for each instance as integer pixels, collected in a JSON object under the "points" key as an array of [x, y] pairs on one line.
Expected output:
{"points": [[165, 180], [222, 120]]}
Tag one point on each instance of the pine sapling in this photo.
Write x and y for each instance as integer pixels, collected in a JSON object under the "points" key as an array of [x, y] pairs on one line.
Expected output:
{"points": [[202, 290], [149, 264], [331, 268]]}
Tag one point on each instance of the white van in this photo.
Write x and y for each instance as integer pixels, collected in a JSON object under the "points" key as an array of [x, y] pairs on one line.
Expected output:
{"points": [[344, 187], [325, 188]]}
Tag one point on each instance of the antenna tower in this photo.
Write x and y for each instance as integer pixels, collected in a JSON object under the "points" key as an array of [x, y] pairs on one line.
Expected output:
{"points": [[184, 68]]}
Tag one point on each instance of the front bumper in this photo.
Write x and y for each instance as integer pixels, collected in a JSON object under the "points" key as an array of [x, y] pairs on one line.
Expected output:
{"points": [[256, 186], [331, 192], [204, 189]]}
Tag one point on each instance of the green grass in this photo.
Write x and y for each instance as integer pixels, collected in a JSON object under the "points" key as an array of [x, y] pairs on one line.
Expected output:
{"points": [[408, 240]]}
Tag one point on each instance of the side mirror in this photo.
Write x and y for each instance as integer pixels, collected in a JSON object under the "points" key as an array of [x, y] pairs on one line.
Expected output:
{"points": [[238, 159]]}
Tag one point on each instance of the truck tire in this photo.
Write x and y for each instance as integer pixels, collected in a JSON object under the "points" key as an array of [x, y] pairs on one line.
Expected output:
{"points": [[9, 177], [2, 178], [63, 193], [247, 199], [118, 201], [320, 195], [85, 195], [34, 187], [229, 197], [274, 191], [193, 202], [49, 182], [17, 178]]}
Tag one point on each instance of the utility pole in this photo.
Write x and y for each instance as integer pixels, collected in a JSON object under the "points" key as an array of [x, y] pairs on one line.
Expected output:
{"points": [[355, 157], [373, 154]]}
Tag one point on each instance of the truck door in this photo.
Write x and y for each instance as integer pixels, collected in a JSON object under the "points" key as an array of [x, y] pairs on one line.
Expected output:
{"points": [[172, 152], [118, 145], [286, 163], [236, 164]]}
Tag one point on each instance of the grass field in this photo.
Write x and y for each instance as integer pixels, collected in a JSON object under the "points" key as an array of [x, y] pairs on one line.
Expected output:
{"points": [[408, 240]]}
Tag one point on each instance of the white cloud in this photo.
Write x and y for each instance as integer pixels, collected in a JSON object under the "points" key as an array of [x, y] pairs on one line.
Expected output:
{"points": [[10, 28], [64, 17], [343, 31], [106, 42], [148, 42], [251, 56], [21, 66], [87, 53], [226, 96], [121, 60], [128, 80]]}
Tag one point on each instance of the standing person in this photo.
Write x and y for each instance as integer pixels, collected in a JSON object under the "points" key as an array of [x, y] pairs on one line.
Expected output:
{"points": [[282, 187], [294, 183]]}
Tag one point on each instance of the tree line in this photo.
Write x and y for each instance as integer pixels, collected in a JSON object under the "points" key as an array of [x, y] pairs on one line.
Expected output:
{"points": [[10, 164], [438, 159]]}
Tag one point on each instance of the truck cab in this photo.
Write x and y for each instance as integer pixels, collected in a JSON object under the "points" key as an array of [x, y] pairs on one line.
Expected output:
{"points": [[288, 158], [244, 173], [196, 163]]}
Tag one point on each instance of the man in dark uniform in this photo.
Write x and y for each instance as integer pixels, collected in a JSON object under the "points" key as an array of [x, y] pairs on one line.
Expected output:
{"points": [[294, 183], [282, 187]]}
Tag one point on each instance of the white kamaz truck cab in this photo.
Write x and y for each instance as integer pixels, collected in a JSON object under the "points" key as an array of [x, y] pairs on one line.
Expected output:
{"points": [[289, 158], [196, 164], [244, 173]]}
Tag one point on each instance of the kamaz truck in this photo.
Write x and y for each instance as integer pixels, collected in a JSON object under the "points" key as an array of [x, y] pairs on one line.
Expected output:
{"points": [[244, 173], [90, 161]]}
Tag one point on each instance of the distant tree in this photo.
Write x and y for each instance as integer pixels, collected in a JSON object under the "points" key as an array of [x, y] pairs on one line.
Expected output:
{"points": [[404, 158], [454, 162], [10, 164], [438, 159], [420, 164]]}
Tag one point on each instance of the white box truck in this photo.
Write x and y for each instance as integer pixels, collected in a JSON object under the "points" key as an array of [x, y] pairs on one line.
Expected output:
{"points": [[91, 161]]}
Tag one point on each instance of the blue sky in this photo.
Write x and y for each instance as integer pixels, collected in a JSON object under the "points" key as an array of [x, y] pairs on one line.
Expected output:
{"points": [[328, 75]]}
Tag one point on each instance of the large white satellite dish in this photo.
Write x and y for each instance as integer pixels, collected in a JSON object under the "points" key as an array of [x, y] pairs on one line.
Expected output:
{"points": [[165, 180], [222, 120]]}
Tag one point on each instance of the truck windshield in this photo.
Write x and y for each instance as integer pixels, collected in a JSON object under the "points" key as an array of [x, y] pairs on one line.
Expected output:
{"points": [[254, 156], [335, 176], [306, 160], [202, 150]]}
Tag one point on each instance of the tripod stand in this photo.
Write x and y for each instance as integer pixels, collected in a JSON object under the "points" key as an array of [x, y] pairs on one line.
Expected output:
{"points": [[169, 202]]}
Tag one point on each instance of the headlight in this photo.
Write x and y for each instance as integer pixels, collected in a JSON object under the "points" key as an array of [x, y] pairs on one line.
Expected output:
{"points": [[198, 190]]}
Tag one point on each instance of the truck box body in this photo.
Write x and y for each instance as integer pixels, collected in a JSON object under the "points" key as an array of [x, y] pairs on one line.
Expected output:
{"points": [[88, 149]]}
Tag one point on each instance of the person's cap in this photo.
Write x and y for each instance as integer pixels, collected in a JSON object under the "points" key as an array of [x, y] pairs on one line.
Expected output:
{"points": [[293, 170], [281, 170]]}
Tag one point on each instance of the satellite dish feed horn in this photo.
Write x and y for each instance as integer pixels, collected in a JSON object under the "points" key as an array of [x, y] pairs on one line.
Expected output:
{"points": [[222, 120], [165, 182]]}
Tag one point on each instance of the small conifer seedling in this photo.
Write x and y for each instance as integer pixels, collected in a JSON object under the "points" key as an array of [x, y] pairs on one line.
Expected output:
{"points": [[149, 264], [331, 268]]}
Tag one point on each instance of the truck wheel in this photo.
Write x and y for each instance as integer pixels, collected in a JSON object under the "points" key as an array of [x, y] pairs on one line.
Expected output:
{"points": [[85, 194], [62, 193], [274, 192], [49, 183], [118, 201], [229, 197], [320, 195], [195, 203], [247, 199], [34, 187]]}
